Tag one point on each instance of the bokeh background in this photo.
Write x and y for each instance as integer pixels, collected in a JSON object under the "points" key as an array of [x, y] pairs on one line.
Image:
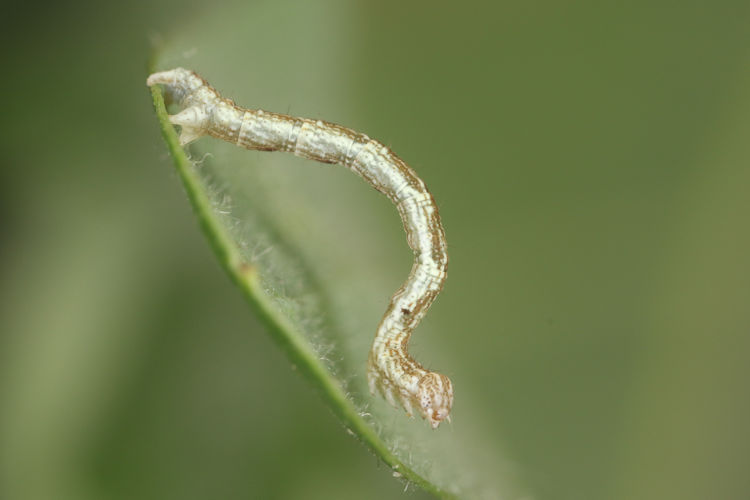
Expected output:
{"points": [[591, 164]]}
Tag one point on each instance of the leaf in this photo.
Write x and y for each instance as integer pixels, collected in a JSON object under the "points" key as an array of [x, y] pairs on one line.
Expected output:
{"points": [[309, 245]]}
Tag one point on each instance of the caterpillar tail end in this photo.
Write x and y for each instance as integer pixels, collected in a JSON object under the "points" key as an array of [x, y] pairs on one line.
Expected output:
{"points": [[179, 83], [173, 77]]}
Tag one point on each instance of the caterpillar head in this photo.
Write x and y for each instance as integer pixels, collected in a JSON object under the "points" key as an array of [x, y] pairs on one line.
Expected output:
{"points": [[435, 398]]}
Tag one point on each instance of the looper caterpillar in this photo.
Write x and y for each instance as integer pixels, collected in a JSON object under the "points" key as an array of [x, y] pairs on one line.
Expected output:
{"points": [[390, 368]]}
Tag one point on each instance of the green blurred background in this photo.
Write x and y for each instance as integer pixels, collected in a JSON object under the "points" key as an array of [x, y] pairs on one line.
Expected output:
{"points": [[591, 164]]}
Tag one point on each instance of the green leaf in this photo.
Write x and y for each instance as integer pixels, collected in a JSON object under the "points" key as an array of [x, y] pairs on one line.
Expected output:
{"points": [[311, 246]]}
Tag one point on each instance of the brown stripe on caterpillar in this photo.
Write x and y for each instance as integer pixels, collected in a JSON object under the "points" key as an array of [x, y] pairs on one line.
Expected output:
{"points": [[390, 368]]}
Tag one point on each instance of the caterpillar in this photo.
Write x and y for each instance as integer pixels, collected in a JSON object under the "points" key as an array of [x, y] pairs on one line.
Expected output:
{"points": [[390, 369]]}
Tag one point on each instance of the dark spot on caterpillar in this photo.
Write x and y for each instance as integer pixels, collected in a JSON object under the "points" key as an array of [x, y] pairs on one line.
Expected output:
{"points": [[406, 311]]}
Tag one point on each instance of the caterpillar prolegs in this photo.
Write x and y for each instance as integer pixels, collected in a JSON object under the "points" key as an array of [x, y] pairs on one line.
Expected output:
{"points": [[390, 368]]}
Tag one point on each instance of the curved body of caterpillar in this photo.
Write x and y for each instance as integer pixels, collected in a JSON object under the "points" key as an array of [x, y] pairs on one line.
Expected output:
{"points": [[390, 369]]}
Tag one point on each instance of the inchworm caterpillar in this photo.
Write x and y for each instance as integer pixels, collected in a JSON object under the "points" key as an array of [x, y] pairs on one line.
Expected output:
{"points": [[390, 368]]}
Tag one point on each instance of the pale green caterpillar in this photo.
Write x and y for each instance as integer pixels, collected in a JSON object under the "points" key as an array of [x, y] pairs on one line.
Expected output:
{"points": [[390, 368]]}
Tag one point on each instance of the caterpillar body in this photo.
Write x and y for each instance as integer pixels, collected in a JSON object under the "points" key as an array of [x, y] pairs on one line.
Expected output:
{"points": [[390, 368]]}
